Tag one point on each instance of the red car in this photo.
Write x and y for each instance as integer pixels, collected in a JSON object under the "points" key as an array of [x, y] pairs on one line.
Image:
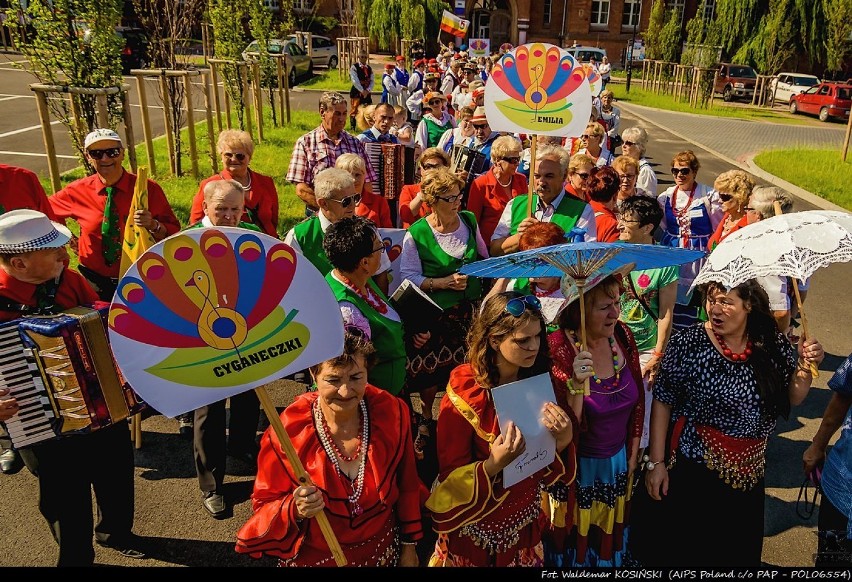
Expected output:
{"points": [[826, 100]]}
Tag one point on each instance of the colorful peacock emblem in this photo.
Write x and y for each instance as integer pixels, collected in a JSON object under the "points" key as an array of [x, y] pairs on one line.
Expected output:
{"points": [[594, 79], [478, 45], [538, 79], [217, 304]]}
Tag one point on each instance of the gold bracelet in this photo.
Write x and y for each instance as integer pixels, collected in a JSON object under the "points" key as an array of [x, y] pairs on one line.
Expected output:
{"points": [[572, 390]]}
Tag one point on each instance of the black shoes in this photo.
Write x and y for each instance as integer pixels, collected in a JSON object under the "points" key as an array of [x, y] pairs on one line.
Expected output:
{"points": [[215, 504], [185, 425], [131, 547], [10, 461]]}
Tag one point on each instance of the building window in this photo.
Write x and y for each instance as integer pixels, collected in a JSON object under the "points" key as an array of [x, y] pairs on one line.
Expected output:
{"points": [[600, 13], [303, 5], [630, 16], [709, 10], [546, 12], [677, 5]]}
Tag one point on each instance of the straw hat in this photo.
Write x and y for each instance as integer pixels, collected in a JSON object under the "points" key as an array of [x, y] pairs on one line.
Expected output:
{"points": [[434, 95], [479, 115], [26, 230], [571, 293]]}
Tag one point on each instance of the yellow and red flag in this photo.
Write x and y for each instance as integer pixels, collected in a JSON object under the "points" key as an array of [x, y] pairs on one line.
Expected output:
{"points": [[137, 240], [455, 25]]}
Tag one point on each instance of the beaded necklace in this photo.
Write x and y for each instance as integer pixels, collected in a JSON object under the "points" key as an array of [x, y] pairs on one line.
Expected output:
{"points": [[729, 353], [615, 364], [370, 296], [332, 451], [245, 188]]}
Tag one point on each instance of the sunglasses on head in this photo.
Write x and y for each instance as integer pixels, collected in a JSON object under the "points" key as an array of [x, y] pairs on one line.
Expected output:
{"points": [[99, 154], [514, 160], [346, 202], [681, 171], [449, 199], [725, 197], [231, 156], [518, 305]]}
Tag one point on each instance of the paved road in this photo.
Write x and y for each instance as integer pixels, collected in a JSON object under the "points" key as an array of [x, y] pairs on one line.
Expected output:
{"points": [[180, 533]]}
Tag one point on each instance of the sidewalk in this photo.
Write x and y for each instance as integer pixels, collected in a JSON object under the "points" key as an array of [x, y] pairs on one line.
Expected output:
{"points": [[738, 141]]}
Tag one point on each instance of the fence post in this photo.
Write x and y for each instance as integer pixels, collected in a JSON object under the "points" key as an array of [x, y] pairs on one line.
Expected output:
{"points": [[284, 89], [167, 118], [146, 120], [128, 128], [258, 100], [190, 125], [47, 135], [214, 161], [215, 81]]}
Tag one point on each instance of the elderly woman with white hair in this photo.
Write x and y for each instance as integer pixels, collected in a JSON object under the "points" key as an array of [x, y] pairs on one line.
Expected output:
{"points": [[634, 144], [491, 191], [372, 206]]}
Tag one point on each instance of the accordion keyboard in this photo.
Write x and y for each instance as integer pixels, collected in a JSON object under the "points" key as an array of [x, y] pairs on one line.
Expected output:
{"points": [[32, 423]]}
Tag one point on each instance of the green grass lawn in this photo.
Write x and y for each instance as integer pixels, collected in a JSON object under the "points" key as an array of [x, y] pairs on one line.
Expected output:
{"points": [[818, 171], [271, 157], [328, 81]]}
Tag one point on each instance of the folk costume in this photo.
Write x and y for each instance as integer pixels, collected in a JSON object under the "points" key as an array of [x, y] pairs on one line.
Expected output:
{"points": [[479, 522], [589, 522], [370, 516]]}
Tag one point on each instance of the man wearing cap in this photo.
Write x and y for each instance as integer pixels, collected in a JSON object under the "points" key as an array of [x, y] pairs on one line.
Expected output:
{"points": [[34, 280], [435, 122], [483, 137], [100, 204], [391, 89], [318, 150], [361, 75], [550, 204]]}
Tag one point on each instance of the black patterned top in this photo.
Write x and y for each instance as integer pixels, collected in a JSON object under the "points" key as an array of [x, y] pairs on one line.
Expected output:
{"points": [[698, 382]]}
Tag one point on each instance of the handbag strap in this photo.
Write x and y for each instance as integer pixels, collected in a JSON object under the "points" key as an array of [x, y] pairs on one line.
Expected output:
{"points": [[640, 299]]}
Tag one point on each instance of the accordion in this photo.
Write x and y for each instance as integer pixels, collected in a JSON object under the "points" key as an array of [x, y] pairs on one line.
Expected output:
{"points": [[61, 370], [467, 159], [394, 166]]}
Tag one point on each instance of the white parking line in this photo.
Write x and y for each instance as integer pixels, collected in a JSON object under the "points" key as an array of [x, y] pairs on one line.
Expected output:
{"points": [[12, 97], [25, 129], [34, 155]]}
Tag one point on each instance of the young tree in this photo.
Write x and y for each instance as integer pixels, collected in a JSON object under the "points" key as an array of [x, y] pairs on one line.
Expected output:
{"points": [[229, 34], [773, 41], [655, 29], [73, 42], [838, 31]]}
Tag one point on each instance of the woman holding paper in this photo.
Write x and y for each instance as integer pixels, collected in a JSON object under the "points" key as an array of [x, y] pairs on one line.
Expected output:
{"points": [[433, 251], [479, 521], [353, 440], [594, 532]]}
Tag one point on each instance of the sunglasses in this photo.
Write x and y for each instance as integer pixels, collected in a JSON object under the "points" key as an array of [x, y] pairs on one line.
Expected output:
{"points": [[480, 125], [231, 156], [518, 305], [431, 166], [749, 209], [346, 202], [583, 176], [514, 160], [99, 154], [725, 197], [588, 136], [435, 102], [681, 171], [630, 143], [449, 199]]}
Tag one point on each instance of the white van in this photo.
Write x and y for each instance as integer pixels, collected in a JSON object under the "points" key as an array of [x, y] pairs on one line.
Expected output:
{"points": [[585, 53]]}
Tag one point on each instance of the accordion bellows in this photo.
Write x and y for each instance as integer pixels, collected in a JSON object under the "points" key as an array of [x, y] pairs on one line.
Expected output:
{"points": [[61, 370]]}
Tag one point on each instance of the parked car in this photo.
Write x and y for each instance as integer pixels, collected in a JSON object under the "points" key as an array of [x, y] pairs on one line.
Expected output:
{"points": [[735, 81], [785, 85], [584, 54], [826, 100], [134, 55], [324, 51], [299, 64]]}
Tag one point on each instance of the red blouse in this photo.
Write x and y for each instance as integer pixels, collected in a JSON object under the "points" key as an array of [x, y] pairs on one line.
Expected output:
{"points": [[261, 200], [487, 199], [718, 237], [374, 207]]}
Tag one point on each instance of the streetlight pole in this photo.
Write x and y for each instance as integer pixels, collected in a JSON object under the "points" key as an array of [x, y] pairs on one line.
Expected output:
{"points": [[630, 56]]}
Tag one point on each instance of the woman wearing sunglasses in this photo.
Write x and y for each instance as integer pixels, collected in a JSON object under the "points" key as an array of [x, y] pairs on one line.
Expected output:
{"points": [[594, 534], [691, 213], [479, 521], [634, 143], [371, 206], [734, 188], [435, 122], [579, 171], [490, 192], [594, 145], [411, 204], [433, 251], [235, 149]]}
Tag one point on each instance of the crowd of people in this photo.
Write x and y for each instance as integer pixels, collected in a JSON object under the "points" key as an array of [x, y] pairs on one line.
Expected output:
{"points": [[399, 434]]}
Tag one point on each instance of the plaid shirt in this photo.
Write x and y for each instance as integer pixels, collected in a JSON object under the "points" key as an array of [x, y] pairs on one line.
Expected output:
{"points": [[316, 151]]}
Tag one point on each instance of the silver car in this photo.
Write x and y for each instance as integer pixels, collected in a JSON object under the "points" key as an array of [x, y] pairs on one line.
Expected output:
{"points": [[299, 64], [324, 50]]}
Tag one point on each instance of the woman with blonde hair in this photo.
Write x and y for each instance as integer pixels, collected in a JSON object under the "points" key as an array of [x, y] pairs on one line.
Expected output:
{"points": [[610, 117], [490, 192], [627, 169], [372, 206], [236, 149], [411, 203], [734, 188], [634, 143], [579, 171], [594, 145]]}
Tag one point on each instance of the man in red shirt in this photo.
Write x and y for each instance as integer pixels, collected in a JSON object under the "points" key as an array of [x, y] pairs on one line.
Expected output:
{"points": [[85, 200], [34, 280], [20, 188]]}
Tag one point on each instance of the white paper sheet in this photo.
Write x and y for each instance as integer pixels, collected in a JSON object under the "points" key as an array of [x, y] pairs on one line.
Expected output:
{"points": [[522, 402]]}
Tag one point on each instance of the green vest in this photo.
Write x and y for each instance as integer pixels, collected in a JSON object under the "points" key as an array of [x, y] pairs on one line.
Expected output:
{"points": [[245, 225], [437, 263], [387, 337], [434, 131], [309, 235], [566, 214]]}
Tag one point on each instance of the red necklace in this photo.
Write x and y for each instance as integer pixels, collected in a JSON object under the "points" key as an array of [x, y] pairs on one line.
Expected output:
{"points": [[685, 209], [741, 357], [370, 297]]}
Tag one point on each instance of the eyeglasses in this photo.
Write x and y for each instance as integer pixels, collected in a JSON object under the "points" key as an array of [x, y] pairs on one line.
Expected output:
{"points": [[449, 199], [346, 202], [518, 305], [231, 156], [514, 160], [431, 166], [583, 176], [630, 143], [681, 171], [626, 177], [99, 154], [749, 209], [381, 249], [480, 125], [628, 220]]}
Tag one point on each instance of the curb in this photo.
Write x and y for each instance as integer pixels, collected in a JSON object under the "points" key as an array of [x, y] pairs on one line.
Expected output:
{"points": [[747, 165]]}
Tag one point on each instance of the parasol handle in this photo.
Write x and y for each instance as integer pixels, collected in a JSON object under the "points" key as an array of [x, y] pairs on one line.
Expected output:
{"points": [[301, 475], [532, 174], [586, 391], [814, 369]]}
